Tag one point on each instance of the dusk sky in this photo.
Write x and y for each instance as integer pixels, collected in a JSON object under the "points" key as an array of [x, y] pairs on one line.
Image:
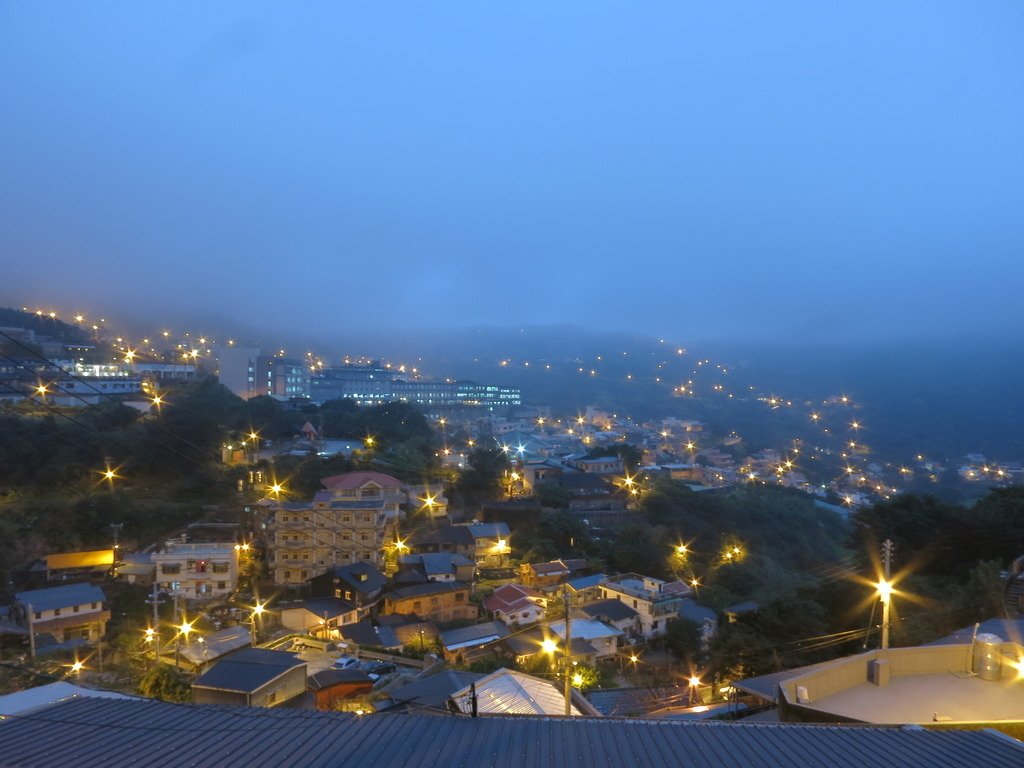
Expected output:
{"points": [[751, 170]]}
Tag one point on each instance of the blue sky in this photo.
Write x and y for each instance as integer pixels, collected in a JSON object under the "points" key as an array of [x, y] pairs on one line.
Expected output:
{"points": [[742, 170]]}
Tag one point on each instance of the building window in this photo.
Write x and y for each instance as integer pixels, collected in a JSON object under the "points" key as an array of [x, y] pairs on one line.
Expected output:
{"points": [[74, 609], [417, 606], [170, 568], [461, 597], [56, 611], [222, 585], [221, 567]]}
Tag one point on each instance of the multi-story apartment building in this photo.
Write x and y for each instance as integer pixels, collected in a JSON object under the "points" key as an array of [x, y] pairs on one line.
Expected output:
{"points": [[197, 571], [350, 521]]}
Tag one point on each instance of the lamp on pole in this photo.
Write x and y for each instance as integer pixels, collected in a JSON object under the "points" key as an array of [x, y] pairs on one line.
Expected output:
{"points": [[257, 612]]}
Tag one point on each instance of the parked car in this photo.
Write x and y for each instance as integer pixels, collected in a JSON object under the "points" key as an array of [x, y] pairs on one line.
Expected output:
{"points": [[346, 662], [378, 667]]}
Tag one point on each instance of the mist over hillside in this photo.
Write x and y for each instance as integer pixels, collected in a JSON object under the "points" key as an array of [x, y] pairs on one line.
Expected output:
{"points": [[941, 399]]}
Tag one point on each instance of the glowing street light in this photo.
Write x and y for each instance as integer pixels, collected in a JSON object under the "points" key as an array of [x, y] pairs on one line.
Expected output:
{"points": [[549, 646]]}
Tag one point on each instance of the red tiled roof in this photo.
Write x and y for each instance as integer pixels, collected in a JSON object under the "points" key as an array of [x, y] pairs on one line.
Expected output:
{"points": [[510, 597], [352, 480]]}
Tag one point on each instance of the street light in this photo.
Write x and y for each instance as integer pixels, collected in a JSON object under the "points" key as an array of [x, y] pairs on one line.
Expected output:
{"points": [[257, 612]]}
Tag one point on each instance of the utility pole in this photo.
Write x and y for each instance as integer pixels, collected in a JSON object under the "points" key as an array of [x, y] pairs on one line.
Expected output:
{"points": [[568, 653], [886, 591], [155, 600], [116, 528], [31, 631]]}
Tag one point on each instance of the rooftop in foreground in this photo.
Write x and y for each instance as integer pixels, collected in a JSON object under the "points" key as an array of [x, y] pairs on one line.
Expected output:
{"points": [[113, 733]]}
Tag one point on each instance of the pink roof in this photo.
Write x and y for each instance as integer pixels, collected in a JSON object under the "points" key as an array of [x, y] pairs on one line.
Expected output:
{"points": [[352, 480], [510, 597]]}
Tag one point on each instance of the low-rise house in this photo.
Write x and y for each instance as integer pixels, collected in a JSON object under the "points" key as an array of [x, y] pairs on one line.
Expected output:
{"points": [[137, 568], [648, 597], [197, 571], [515, 604], [252, 677], [603, 638], [68, 612], [318, 615], [614, 613], [527, 645], [435, 566], [514, 693], [487, 544], [438, 601], [203, 650], [431, 692], [73, 566], [358, 583], [427, 499], [456, 642], [330, 686], [551, 574], [602, 465], [491, 544], [391, 632], [585, 589], [456, 539], [703, 617]]}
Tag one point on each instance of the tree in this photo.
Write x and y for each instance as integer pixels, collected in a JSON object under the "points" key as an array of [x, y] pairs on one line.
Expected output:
{"points": [[682, 639], [167, 683], [631, 456], [552, 496]]}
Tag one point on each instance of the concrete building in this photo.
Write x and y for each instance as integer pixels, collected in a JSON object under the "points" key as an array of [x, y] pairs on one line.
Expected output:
{"points": [[977, 682], [648, 597], [197, 571], [350, 521]]}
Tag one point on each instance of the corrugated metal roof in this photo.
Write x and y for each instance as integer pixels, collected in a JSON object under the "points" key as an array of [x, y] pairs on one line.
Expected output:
{"points": [[512, 693], [63, 596], [477, 633], [108, 733], [585, 629], [44, 695], [433, 691], [248, 670]]}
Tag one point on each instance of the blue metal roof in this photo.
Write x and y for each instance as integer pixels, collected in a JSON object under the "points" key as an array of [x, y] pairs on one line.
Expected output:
{"points": [[248, 670], [110, 733], [64, 596]]}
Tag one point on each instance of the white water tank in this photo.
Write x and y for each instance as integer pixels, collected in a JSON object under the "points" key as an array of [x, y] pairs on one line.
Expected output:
{"points": [[987, 656]]}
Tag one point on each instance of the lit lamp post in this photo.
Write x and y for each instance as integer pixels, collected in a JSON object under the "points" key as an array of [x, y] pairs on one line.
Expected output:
{"points": [[184, 629], [694, 690], [257, 612], [152, 639], [885, 595]]}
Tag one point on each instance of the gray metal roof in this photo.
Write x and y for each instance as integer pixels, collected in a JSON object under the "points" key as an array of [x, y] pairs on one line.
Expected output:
{"points": [[64, 596], [476, 633], [44, 695], [610, 609], [1007, 630], [434, 690], [767, 686], [427, 588], [248, 670], [109, 733]]}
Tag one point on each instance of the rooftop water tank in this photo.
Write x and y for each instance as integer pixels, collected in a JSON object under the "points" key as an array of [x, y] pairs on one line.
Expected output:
{"points": [[987, 657]]}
